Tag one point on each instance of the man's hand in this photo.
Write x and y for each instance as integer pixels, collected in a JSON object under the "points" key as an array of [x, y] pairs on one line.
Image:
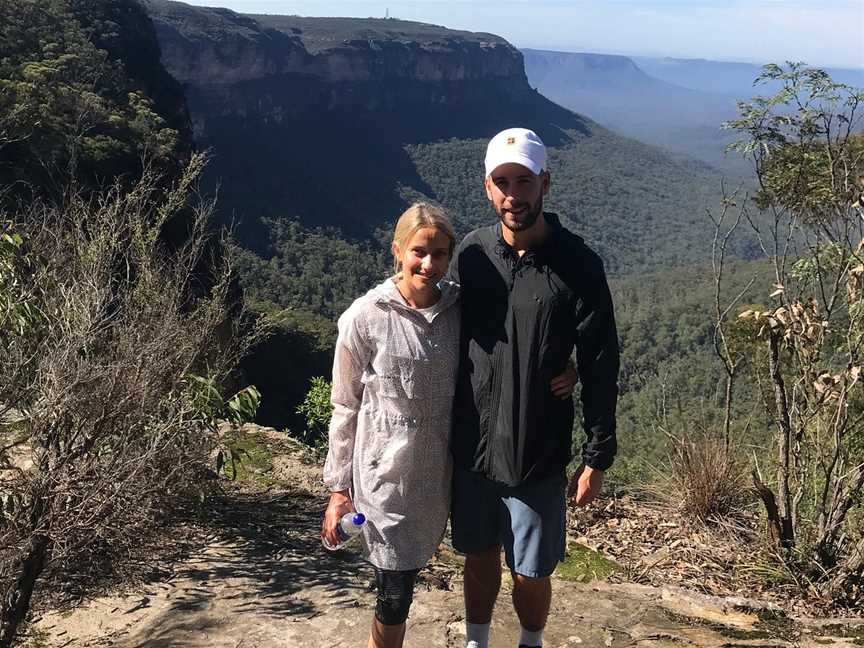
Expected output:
{"points": [[584, 486], [562, 385], [340, 503]]}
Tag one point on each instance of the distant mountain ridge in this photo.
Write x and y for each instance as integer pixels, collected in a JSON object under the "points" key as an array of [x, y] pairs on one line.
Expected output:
{"points": [[729, 78], [618, 93], [677, 104], [585, 70]]}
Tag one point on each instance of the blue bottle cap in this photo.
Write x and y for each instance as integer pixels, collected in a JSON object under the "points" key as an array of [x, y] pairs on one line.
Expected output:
{"points": [[358, 519]]}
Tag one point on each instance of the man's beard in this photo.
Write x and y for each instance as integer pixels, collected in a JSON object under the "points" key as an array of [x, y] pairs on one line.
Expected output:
{"points": [[526, 219]]}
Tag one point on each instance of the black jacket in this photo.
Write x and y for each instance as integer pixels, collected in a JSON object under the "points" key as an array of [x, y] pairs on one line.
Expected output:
{"points": [[521, 319]]}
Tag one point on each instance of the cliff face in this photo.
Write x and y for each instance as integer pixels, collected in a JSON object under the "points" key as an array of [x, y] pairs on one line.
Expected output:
{"points": [[584, 70], [287, 103], [273, 66], [206, 46]]}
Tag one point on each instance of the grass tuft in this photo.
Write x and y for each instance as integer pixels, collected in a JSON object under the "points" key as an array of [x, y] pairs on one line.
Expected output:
{"points": [[704, 480]]}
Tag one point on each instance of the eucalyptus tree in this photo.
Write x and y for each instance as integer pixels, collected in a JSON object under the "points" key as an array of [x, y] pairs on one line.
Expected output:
{"points": [[803, 343]]}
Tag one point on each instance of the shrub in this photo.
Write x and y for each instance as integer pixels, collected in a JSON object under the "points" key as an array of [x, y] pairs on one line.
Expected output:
{"points": [[113, 371], [317, 409], [703, 479]]}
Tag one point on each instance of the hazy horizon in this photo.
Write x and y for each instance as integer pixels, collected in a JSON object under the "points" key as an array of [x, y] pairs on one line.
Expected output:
{"points": [[825, 33]]}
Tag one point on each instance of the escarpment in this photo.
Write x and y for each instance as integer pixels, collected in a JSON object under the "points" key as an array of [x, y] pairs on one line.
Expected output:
{"points": [[309, 117]]}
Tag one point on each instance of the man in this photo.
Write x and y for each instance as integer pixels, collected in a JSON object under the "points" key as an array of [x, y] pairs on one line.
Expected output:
{"points": [[532, 291]]}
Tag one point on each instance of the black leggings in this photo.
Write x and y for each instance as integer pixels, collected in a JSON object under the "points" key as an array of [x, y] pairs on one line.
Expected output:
{"points": [[395, 593]]}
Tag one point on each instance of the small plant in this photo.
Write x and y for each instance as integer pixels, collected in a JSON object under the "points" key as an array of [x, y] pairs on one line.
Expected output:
{"points": [[245, 457], [583, 565], [317, 409], [204, 396], [703, 479]]}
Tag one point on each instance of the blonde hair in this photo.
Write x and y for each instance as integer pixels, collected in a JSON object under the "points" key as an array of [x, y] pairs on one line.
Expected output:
{"points": [[417, 216]]}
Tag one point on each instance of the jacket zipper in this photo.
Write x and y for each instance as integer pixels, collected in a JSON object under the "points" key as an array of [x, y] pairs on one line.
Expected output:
{"points": [[495, 383]]}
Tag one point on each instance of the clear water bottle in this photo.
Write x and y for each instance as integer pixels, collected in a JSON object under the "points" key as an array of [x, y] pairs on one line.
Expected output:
{"points": [[349, 526]]}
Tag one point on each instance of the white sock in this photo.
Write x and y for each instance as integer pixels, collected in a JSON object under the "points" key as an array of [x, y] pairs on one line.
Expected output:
{"points": [[477, 635], [530, 638]]}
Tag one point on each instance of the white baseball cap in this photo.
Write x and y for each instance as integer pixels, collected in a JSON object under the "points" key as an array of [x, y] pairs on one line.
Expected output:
{"points": [[517, 145]]}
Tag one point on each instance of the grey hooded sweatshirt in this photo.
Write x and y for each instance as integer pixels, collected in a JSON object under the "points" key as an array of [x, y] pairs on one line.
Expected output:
{"points": [[394, 376]]}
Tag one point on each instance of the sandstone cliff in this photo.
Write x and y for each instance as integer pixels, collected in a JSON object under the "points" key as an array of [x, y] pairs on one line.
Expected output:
{"points": [[205, 46], [275, 67], [288, 103]]}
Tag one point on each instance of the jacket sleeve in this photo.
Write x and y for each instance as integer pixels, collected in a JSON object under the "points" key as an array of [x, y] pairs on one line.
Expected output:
{"points": [[597, 361], [353, 354]]}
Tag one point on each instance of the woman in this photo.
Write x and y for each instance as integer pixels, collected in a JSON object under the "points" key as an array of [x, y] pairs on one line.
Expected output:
{"points": [[394, 377]]}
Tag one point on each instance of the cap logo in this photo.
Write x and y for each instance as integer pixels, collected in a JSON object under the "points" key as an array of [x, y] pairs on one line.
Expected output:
{"points": [[511, 140]]}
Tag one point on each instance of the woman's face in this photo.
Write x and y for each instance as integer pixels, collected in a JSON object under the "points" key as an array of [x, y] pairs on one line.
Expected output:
{"points": [[424, 258]]}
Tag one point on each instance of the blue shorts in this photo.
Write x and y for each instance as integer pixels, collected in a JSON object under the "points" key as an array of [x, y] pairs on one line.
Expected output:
{"points": [[527, 520]]}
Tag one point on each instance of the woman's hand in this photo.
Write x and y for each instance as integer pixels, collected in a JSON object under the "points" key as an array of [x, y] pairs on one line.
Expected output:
{"points": [[340, 503], [562, 385]]}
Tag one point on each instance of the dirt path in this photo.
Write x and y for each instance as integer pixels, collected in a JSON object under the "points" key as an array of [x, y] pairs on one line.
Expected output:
{"points": [[262, 579]]}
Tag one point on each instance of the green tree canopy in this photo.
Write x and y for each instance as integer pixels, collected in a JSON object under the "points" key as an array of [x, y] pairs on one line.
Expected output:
{"points": [[68, 108]]}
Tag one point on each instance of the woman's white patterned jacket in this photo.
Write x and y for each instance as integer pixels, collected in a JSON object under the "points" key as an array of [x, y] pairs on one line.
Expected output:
{"points": [[394, 377]]}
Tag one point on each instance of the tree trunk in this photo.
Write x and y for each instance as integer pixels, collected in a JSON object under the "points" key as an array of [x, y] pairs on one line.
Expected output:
{"points": [[784, 433], [840, 505], [727, 414], [767, 496], [16, 599], [851, 569]]}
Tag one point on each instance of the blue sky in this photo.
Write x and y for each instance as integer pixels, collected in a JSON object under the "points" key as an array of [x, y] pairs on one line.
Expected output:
{"points": [[827, 32]]}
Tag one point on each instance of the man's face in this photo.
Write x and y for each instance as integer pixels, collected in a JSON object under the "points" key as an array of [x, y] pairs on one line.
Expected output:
{"points": [[517, 195]]}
